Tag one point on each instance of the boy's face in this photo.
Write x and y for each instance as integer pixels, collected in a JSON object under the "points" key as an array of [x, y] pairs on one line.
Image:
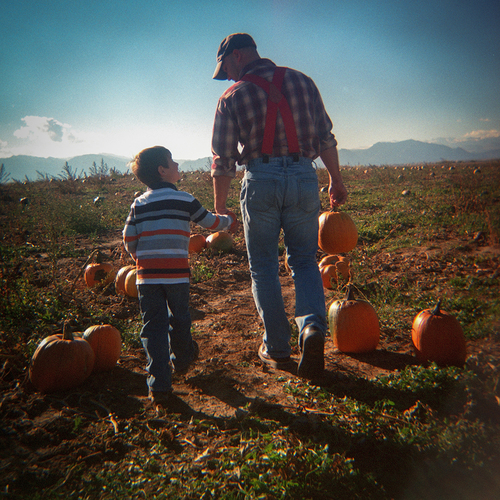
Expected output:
{"points": [[170, 171]]}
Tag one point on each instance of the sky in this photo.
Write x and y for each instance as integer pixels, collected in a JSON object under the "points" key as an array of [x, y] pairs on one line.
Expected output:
{"points": [[116, 76]]}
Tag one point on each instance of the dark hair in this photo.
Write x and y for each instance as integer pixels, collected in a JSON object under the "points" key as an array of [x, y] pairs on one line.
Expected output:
{"points": [[145, 164]]}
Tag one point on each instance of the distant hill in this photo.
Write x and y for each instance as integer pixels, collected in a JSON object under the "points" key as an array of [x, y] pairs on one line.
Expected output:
{"points": [[381, 153], [199, 164], [405, 152]]}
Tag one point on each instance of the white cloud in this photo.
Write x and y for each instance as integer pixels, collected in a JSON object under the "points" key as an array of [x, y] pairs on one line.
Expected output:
{"points": [[41, 128], [42, 136], [469, 137], [475, 141], [481, 134]]}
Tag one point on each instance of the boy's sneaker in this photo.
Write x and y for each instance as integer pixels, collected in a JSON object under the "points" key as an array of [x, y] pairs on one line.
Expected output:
{"points": [[160, 398]]}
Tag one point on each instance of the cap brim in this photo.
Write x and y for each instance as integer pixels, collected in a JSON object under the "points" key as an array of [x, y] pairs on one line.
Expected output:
{"points": [[219, 74]]}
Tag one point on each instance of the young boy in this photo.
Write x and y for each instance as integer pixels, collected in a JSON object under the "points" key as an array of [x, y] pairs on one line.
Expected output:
{"points": [[156, 235]]}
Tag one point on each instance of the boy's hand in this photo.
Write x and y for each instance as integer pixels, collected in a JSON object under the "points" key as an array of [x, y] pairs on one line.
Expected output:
{"points": [[235, 225]]}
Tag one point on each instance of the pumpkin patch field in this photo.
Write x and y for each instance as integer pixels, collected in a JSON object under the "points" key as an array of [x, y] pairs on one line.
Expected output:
{"points": [[412, 287]]}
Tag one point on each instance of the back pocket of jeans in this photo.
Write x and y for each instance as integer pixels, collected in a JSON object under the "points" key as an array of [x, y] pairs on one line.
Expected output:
{"points": [[259, 195], [309, 196]]}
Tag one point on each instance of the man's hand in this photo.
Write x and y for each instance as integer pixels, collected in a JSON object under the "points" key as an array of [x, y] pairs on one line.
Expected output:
{"points": [[336, 190], [338, 193]]}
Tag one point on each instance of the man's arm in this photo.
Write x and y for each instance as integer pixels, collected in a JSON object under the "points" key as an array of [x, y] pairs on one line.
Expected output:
{"points": [[221, 191], [336, 190]]}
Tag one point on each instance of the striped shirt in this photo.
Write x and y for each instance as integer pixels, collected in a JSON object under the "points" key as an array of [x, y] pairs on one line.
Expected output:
{"points": [[241, 116], [157, 231]]}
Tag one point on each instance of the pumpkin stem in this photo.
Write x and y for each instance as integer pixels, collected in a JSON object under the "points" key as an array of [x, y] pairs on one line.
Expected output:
{"points": [[350, 292], [437, 309], [91, 256], [67, 334]]}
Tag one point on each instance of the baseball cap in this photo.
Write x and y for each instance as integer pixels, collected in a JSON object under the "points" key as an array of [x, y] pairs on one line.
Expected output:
{"points": [[231, 42]]}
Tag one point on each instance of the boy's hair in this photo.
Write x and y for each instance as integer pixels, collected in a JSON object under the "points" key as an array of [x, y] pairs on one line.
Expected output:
{"points": [[145, 164]]}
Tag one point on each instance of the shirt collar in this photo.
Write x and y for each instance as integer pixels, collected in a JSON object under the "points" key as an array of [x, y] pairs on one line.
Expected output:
{"points": [[258, 63], [163, 185]]}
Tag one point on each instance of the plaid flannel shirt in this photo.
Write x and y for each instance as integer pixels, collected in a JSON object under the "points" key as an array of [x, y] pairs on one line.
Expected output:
{"points": [[240, 118]]}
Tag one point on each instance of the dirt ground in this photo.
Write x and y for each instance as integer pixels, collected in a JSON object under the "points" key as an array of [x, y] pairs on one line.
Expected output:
{"points": [[228, 374], [38, 441]]}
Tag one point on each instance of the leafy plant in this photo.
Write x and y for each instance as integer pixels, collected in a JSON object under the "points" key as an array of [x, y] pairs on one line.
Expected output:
{"points": [[4, 176]]}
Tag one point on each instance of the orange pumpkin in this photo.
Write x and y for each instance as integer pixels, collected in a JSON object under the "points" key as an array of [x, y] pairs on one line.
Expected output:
{"points": [[130, 284], [337, 232], [61, 362], [121, 276], [221, 241], [438, 337], [197, 242], [328, 275], [99, 274], [354, 324], [106, 343], [342, 267], [327, 260]]}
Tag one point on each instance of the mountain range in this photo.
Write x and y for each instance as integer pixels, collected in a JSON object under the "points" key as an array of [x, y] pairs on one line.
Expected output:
{"points": [[33, 168], [408, 152]]}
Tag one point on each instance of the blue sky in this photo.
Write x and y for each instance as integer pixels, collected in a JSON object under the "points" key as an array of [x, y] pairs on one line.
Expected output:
{"points": [[114, 77]]}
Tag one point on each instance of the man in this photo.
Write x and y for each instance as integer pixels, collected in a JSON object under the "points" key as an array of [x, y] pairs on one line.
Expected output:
{"points": [[277, 117]]}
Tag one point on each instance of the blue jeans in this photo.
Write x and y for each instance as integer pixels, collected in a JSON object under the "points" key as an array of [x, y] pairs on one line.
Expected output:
{"points": [[284, 195], [166, 332]]}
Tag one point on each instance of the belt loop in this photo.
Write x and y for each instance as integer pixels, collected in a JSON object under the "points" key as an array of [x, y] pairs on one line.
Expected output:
{"points": [[265, 158], [295, 157]]}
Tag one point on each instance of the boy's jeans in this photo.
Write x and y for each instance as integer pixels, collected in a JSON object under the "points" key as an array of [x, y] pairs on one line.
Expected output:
{"points": [[166, 332], [275, 195]]}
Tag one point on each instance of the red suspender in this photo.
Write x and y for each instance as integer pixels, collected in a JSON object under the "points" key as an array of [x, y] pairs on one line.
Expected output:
{"points": [[276, 100]]}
